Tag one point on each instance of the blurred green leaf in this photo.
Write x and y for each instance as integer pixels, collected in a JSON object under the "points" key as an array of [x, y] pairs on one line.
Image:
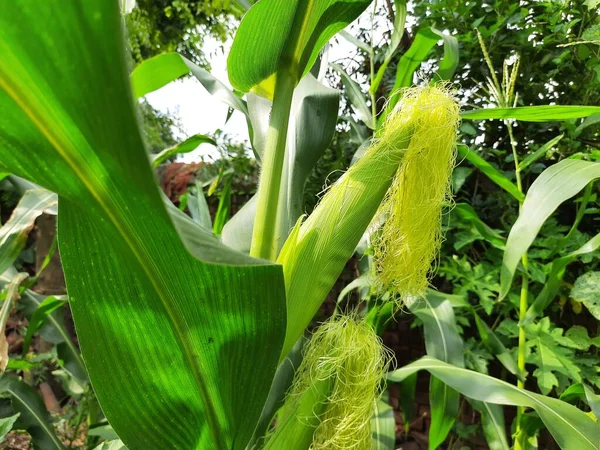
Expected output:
{"points": [[494, 345], [6, 424], [356, 96], [222, 214], [33, 416], [540, 152], [490, 171], [492, 422], [47, 307], [383, 427], [14, 233], [187, 146], [571, 428], [466, 213]]}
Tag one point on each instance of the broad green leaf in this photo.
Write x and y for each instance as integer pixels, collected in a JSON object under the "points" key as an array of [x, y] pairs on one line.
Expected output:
{"points": [[47, 307], [533, 113], [383, 426], [261, 50], [10, 299], [540, 152], [492, 422], [555, 277], [490, 171], [181, 351], [33, 416], [556, 184], [466, 213], [356, 96], [312, 124], [6, 424], [187, 146], [14, 233], [163, 69], [587, 291], [442, 342], [571, 428]]}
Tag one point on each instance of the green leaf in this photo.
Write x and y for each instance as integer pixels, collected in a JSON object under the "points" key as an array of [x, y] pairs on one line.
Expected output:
{"points": [[555, 276], [383, 427], [187, 146], [571, 428], [442, 342], [14, 233], [357, 42], [587, 291], [222, 215], [156, 72], [111, 445], [181, 338], [6, 424], [466, 213], [494, 345], [199, 207], [423, 43], [12, 295], [261, 50], [490, 171], [356, 96], [533, 113], [449, 62], [33, 416], [395, 39], [556, 184], [52, 330], [492, 422], [47, 307], [540, 152], [312, 124]]}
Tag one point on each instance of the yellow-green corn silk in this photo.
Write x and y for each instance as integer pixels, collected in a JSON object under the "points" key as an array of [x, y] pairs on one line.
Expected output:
{"points": [[346, 351], [410, 239]]}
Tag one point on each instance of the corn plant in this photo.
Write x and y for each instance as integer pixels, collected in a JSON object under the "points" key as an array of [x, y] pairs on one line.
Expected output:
{"points": [[184, 335]]}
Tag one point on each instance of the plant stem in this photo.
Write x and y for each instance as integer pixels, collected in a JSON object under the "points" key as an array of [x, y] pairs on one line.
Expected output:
{"points": [[523, 304], [373, 92], [264, 240]]}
